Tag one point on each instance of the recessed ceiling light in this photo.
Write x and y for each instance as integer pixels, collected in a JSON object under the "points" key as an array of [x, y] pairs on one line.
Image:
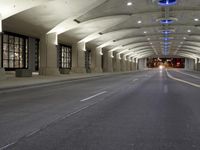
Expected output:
{"points": [[139, 22], [145, 32], [196, 19], [189, 31], [148, 39], [184, 38], [129, 3]]}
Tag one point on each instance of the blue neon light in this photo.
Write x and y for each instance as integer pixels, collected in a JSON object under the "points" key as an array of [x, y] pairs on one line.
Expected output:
{"points": [[166, 38], [166, 32], [166, 2], [166, 21]]}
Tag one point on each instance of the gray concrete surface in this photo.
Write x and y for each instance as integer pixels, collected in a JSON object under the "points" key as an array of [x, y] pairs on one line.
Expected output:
{"points": [[135, 111]]}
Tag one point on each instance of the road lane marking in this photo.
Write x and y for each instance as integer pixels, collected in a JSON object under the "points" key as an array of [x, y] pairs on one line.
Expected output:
{"points": [[135, 80], [5, 147], [34, 132], [183, 81], [86, 99], [188, 74], [44, 127]]}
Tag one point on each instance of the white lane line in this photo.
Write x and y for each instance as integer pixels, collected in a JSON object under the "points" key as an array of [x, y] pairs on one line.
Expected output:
{"points": [[93, 96], [187, 74], [34, 132], [5, 147], [135, 80], [59, 119], [180, 80]]}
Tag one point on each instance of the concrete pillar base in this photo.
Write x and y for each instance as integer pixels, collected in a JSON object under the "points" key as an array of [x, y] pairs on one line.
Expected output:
{"points": [[2, 74], [78, 70], [49, 71], [97, 70]]}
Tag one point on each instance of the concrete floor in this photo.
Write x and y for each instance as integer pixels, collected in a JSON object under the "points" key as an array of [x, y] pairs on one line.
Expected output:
{"points": [[134, 111]]}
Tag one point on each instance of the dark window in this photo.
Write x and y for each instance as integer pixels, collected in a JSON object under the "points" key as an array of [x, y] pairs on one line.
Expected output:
{"points": [[65, 57], [88, 60], [37, 63], [15, 51], [102, 62]]}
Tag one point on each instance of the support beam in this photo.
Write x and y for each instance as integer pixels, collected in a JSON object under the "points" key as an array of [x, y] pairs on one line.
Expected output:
{"points": [[196, 68], [32, 49], [78, 57], [189, 64], [118, 63], [49, 55], [97, 60], [134, 64], [142, 63], [198, 64], [123, 64], [108, 61]]}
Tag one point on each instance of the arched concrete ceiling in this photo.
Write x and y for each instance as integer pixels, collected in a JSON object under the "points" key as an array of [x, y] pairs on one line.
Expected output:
{"points": [[11, 7], [96, 22]]}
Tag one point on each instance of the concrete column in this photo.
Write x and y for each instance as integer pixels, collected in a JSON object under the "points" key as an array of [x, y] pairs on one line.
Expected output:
{"points": [[134, 66], [97, 60], [124, 64], [49, 55], [118, 63], [189, 64], [142, 63], [2, 71], [78, 58], [108, 61], [198, 64], [129, 64], [32, 48]]}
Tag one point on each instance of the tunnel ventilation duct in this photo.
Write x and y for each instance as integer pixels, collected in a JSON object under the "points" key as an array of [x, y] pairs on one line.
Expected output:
{"points": [[166, 3]]}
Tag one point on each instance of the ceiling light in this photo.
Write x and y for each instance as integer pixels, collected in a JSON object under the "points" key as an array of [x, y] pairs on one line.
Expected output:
{"points": [[166, 21], [189, 31], [129, 3], [166, 2], [145, 32], [184, 38], [139, 22], [196, 19], [148, 39]]}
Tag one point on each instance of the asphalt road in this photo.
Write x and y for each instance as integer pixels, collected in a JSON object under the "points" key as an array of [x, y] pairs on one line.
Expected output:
{"points": [[146, 110]]}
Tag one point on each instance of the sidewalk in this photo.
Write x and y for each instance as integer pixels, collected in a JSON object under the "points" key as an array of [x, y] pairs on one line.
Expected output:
{"points": [[12, 82]]}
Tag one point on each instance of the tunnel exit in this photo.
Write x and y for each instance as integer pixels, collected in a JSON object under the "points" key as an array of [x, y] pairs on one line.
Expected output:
{"points": [[167, 62]]}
